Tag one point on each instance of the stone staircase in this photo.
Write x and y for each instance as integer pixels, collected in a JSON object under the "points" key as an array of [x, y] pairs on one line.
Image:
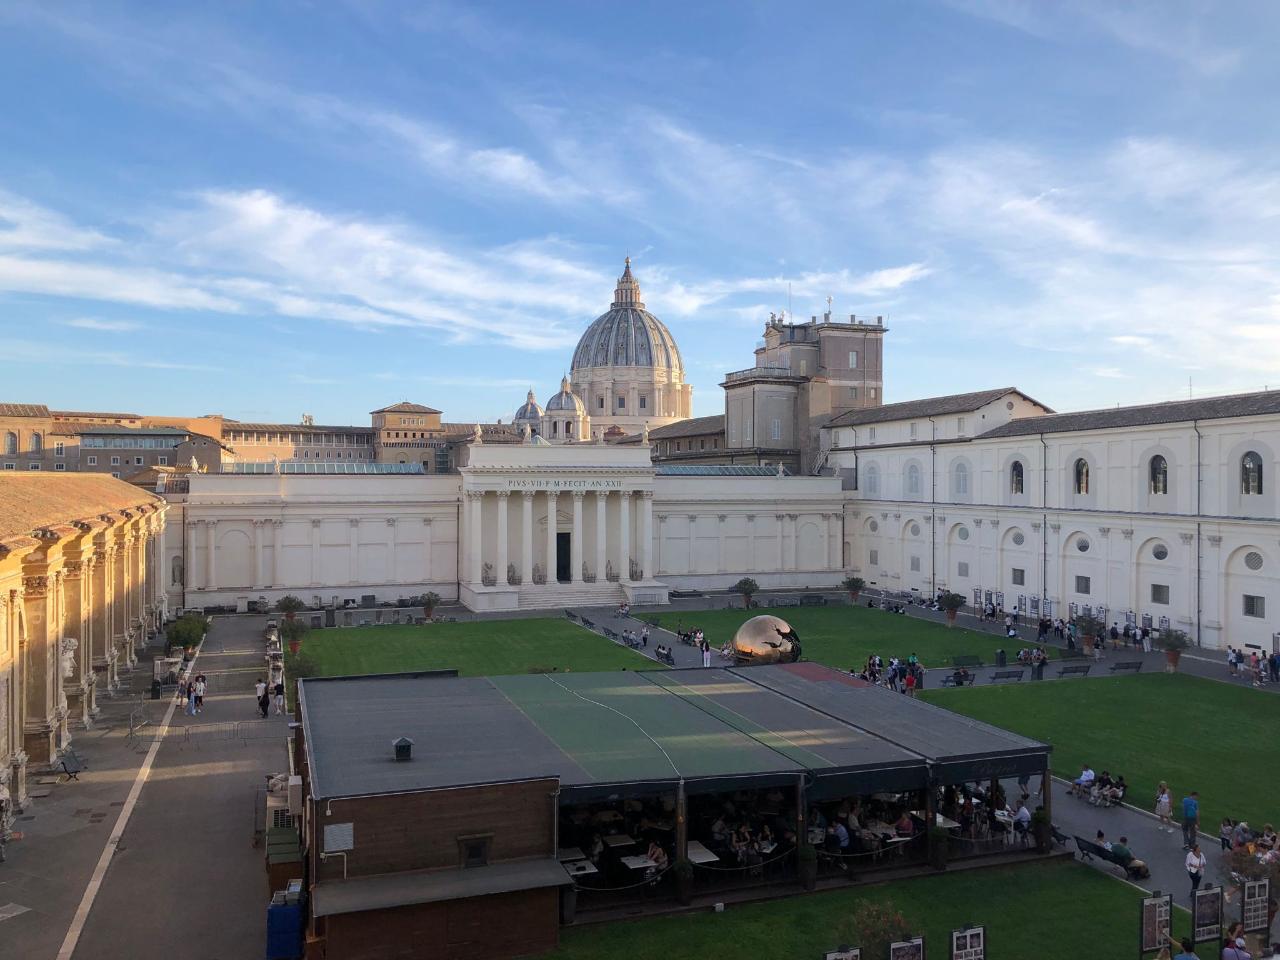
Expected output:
{"points": [[560, 595]]}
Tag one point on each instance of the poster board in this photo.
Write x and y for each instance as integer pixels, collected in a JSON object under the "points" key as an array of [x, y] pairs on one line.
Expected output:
{"points": [[1207, 915], [1253, 908], [843, 953], [912, 949], [969, 944], [1156, 922]]}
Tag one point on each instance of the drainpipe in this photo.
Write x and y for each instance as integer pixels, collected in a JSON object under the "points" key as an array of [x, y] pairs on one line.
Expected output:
{"points": [[933, 509], [1044, 523], [1195, 425]]}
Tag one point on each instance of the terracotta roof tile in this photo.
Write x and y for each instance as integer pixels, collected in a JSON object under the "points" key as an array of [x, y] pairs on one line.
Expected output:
{"points": [[31, 501]]}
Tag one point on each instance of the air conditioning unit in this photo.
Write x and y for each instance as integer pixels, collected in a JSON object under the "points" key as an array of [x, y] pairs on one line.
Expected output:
{"points": [[295, 796]]}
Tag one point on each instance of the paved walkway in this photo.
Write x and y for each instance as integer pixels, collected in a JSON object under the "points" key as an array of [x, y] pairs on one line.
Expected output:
{"points": [[185, 880]]}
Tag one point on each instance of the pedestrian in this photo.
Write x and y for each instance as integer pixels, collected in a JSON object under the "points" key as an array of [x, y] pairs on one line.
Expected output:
{"points": [[1190, 819], [191, 698], [706, 653], [200, 688], [1164, 807], [1196, 862], [1231, 660], [644, 636], [260, 692], [910, 686], [279, 692]]}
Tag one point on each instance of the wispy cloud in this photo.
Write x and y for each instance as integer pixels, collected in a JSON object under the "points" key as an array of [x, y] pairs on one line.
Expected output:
{"points": [[104, 326], [35, 351]]}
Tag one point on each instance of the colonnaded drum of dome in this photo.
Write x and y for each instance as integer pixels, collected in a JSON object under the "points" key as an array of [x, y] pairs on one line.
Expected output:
{"points": [[766, 639]]}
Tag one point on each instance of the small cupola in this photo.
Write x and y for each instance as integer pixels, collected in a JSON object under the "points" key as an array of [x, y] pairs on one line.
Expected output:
{"points": [[403, 748]]}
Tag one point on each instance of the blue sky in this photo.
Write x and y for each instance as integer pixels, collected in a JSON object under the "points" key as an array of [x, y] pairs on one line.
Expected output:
{"points": [[266, 209]]}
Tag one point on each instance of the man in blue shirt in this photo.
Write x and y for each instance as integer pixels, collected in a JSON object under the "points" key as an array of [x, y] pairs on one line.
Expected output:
{"points": [[1190, 819]]}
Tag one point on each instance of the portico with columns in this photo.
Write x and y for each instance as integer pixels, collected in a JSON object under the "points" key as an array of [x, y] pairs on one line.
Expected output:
{"points": [[550, 526]]}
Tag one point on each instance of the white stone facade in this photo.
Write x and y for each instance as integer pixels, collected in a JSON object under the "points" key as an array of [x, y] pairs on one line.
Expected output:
{"points": [[1076, 518]]}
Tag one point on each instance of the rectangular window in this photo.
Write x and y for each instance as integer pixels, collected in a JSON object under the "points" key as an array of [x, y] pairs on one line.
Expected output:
{"points": [[960, 426], [59, 466], [1160, 593], [33, 466], [164, 461], [677, 446], [116, 475], [622, 403], [962, 570], [92, 461], [59, 449], [644, 402], [913, 431], [804, 367], [915, 564], [11, 466], [871, 434], [853, 393], [1082, 586], [600, 403], [873, 557], [474, 851], [1019, 577], [871, 392], [137, 461], [115, 461], [853, 359], [1254, 606], [775, 430]]}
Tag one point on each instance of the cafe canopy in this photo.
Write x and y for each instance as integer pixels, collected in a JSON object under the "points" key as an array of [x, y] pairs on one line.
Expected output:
{"points": [[628, 734]]}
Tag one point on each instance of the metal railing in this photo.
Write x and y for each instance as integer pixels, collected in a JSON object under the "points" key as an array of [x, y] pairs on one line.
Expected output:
{"points": [[753, 372]]}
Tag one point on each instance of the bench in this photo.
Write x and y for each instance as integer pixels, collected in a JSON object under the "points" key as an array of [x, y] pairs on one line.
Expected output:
{"points": [[589, 624], [1133, 665], [611, 634], [967, 661], [1006, 675], [949, 680], [1090, 850], [71, 763], [813, 600], [1079, 670], [571, 615]]}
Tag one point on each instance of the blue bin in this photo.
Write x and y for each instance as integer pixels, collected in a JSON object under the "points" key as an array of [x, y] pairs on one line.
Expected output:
{"points": [[285, 923]]}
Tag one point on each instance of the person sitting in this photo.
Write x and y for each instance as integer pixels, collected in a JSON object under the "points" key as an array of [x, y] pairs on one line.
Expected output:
{"points": [[720, 833], [1135, 868], [1102, 841], [1082, 784], [1115, 793], [1098, 789], [657, 855], [962, 676], [905, 826], [1268, 839], [1241, 836]]}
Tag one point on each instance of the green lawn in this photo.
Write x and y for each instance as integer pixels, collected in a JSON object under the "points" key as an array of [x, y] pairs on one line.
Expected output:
{"points": [[1048, 911], [1195, 734], [844, 636], [474, 648]]}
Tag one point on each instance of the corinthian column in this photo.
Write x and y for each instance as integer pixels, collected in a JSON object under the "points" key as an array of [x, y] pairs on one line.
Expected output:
{"points": [[500, 573], [624, 537], [526, 537], [475, 537], [551, 537], [602, 514], [575, 551]]}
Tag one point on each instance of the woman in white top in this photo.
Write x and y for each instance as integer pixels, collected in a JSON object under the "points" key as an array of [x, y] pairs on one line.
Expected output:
{"points": [[1196, 862], [1163, 807]]}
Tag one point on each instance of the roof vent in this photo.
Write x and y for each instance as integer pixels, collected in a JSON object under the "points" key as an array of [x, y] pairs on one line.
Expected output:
{"points": [[403, 748]]}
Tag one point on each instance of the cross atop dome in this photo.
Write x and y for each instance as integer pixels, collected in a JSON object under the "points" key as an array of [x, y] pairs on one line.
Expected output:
{"points": [[627, 293]]}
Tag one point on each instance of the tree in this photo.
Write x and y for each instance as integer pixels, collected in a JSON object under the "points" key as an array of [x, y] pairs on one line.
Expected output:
{"points": [[873, 927], [294, 632], [854, 585], [1173, 642], [186, 632], [951, 602], [1091, 628], [746, 586], [289, 605]]}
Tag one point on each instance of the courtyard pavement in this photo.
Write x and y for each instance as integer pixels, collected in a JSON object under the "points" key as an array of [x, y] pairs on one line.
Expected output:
{"points": [[184, 878]]}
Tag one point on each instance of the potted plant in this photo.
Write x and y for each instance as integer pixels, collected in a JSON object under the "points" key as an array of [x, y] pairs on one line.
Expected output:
{"points": [[854, 585], [746, 586], [807, 865], [1173, 642], [1042, 830], [429, 602], [294, 631], [951, 602], [939, 842], [683, 869], [289, 605]]}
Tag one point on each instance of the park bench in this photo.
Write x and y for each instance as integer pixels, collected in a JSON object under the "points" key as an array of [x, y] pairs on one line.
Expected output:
{"points": [[1079, 670], [571, 615], [589, 624], [1133, 665], [71, 763], [1000, 675], [949, 680], [665, 656], [813, 600], [610, 634], [1089, 850], [966, 661]]}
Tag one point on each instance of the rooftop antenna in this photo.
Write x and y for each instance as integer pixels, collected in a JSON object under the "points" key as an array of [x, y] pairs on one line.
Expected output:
{"points": [[1188, 388], [828, 306]]}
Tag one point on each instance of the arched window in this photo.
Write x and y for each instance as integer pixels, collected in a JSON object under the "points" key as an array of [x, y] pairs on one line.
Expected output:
{"points": [[1159, 475], [1251, 474], [1015, 478], [1082, 476], [10, 442], [913, 480], [873, 480], [37, 443], [962, 479]]}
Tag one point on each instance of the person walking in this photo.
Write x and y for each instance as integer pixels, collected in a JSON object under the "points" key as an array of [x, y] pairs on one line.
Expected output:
{"points": [[1164, 807], [644, 636], [191, 697], [279, 693], [201, 686], [1190, 819], [1196, 862], [260, 692]]}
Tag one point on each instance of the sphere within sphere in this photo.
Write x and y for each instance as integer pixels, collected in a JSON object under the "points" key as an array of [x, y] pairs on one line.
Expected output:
{"points": [[766, 639]]}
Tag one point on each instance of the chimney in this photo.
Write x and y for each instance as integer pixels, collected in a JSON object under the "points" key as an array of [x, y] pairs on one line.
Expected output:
{"points": [[879, 321], [403, 748], [853, 318]]}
